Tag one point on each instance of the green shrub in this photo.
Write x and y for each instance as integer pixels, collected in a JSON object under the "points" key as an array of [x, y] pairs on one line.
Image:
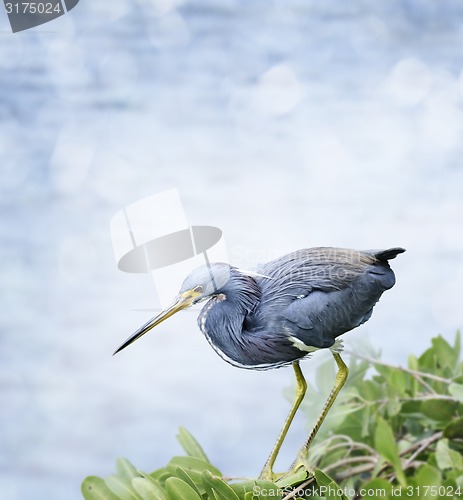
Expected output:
{"points": [[395, 434]]}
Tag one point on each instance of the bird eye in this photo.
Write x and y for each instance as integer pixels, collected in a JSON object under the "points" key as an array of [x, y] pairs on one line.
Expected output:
{"points": [[198, 289]]}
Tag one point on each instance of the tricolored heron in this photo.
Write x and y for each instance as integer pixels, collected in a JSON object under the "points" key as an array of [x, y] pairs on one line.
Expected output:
{"points": [[283, 311]]}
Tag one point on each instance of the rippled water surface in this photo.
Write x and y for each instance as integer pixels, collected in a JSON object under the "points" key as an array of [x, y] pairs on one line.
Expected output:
{"points": [[286, 124]]}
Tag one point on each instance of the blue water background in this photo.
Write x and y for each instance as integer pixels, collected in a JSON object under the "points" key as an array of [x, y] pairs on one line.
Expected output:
{"points": [[286, 124]]}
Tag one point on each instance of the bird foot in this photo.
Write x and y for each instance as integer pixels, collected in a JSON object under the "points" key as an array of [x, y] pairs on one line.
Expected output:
{"points": [[300, 463], [291, 478], [268, 475], [299, 471]]}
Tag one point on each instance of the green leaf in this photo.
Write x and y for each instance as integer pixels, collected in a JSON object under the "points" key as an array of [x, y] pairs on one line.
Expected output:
{"points": [[254, 487], [386, 446], [439, 409], [353, 425], [398, 380], [366, 412], [412, 408], [190, 445], [293, 479], [445, 353], [243, 487], [148, 490], [393, 406], [457, 346], [161, 475], [327, 487], [193, 463], [125, 469], [193, 466], [413, 362], [427, 361], [454, 429], [208, 491], [180, 473], [444, 460], [370, 390], [413, 365], [122, 488], [322, 478], [428, 476], [447, 458], [94, 488], [179, 490], [222, 490], [456, 390], [378, 488], [263, 489]]}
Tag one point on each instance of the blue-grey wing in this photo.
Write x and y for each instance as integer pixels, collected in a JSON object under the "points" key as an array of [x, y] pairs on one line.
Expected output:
{"points": [[317, 294]]}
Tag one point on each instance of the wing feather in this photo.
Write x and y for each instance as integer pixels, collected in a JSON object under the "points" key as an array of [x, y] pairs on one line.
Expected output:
{"points": [[319, 293]]}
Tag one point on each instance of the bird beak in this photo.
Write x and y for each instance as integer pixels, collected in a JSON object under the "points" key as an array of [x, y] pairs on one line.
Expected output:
{"points": [[182, 301]]}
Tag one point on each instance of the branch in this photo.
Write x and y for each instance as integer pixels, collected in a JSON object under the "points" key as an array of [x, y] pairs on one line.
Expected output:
{"points": [[417, 448], [355, 471], [414, 373], [347, 461], [299, 489], [353, 445]]}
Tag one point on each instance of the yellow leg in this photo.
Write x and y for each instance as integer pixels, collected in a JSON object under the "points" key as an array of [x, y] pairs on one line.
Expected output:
{"points": [[341, 377], [301, 387]]}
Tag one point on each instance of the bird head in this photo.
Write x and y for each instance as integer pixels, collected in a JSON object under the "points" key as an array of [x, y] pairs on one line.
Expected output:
{"points": [[202, 283]]}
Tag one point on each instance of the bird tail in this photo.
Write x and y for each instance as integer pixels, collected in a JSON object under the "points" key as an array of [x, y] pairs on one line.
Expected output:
{"points": [[385, 255]]}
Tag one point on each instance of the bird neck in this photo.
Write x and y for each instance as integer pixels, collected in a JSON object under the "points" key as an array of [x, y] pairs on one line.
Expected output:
{"points": [[221, 320], [241, 291], [237, 298]]}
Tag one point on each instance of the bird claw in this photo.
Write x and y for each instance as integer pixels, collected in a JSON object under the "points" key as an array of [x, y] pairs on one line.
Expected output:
{"points": [[268, 475], [293, 477], [300, 463], [299, 472]]}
